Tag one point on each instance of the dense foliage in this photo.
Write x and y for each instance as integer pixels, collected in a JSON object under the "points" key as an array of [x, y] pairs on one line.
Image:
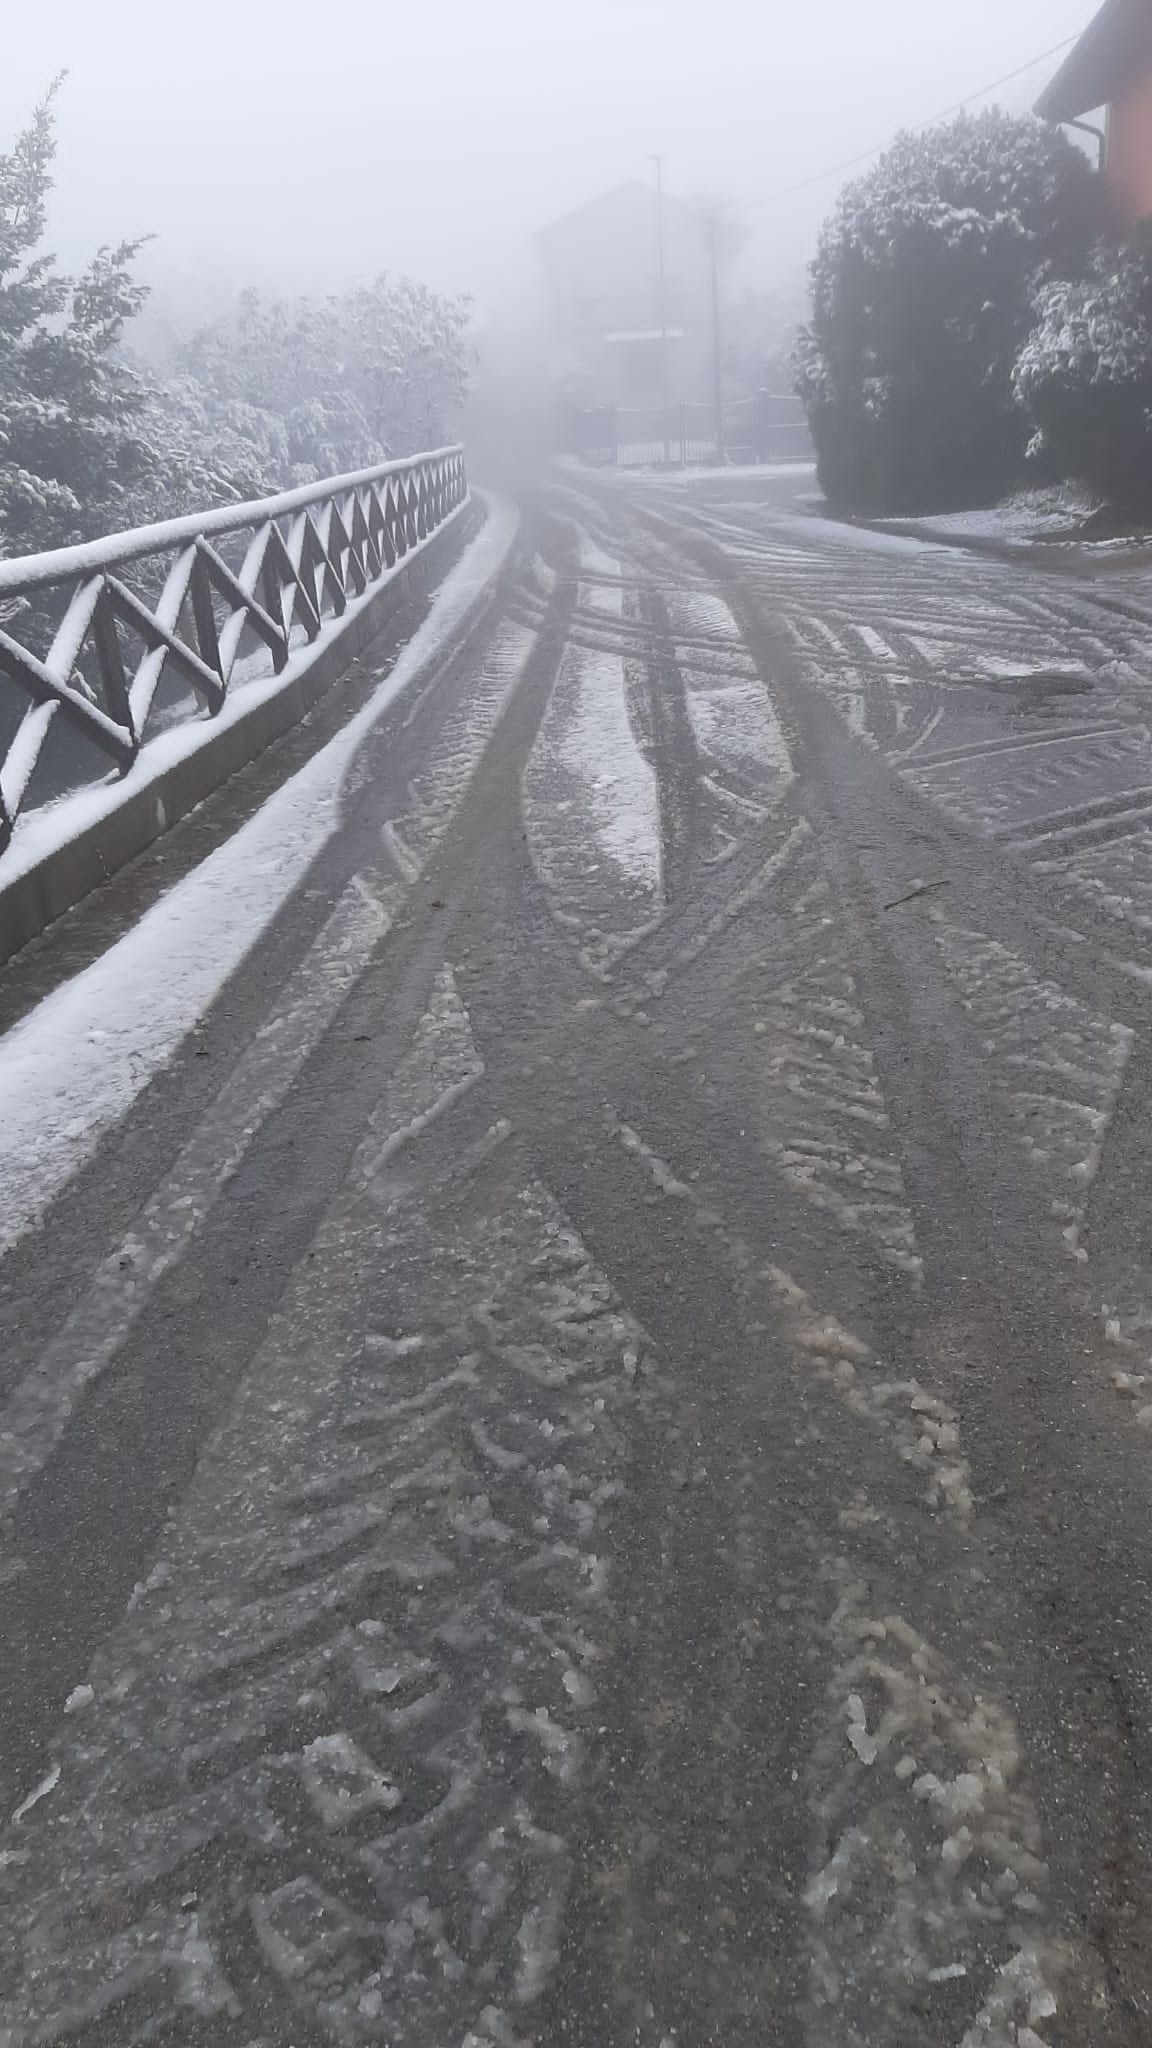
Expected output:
{"points": [[922, 294], [1084, 377]]}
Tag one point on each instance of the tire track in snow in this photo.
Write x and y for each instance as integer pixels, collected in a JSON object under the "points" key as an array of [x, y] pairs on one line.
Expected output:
{"points": [[929, 1900], [740, 754], [819, 1109], [591, 811], [316, 1783], [928, 1896], [437, 789], [1057, 1067], [35, 1416], [39, 1410]]}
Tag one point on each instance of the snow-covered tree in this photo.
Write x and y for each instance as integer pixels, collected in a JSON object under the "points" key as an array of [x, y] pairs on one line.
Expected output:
{"points": [[91, 441], [71, 450], [1084, 377], [408, 360], [323, 386], [922, 293]]}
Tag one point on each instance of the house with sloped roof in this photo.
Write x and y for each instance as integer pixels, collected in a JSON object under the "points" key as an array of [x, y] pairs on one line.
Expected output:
{"points": [[611, 320], [1106, 82]]}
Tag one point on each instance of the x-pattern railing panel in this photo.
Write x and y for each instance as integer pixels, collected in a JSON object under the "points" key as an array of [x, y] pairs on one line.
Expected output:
{"points": [[309, 555]]}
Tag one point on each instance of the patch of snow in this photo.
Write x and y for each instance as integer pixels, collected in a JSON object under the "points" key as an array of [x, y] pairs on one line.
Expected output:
{"points": [[940, 1848], [819, 531], [600, 751], [1025, 516], [737, 726], [683, 480], [866, 1746], [922, 1428], [47, 1784], [591, 804], [875, 643], [595, 562], [442, 1064], [662, 1174]]}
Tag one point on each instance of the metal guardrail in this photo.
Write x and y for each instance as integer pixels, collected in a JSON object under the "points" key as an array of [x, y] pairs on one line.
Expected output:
{"points": [[299, 560]]}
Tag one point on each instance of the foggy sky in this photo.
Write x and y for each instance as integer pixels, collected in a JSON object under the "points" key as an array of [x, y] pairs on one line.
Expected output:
{"points": [[305, 145]]}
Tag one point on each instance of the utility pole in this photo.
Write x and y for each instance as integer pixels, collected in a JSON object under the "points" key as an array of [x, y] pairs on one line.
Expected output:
{"points": [[717, 382], [662, 309]]}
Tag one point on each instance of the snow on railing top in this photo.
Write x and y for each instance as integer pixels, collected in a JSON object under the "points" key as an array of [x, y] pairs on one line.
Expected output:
{"points": [[299, 559], [31, 572]]}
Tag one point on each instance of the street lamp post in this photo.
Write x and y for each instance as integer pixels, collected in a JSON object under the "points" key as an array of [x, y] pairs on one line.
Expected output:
{"points": [[662, 309], [717, 382]]}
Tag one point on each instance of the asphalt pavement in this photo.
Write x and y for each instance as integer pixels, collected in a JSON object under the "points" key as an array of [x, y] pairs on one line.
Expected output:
{"points": [[575, 1463]]}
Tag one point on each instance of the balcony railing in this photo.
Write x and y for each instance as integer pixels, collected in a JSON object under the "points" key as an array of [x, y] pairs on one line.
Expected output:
{"points": [[103, 640]]}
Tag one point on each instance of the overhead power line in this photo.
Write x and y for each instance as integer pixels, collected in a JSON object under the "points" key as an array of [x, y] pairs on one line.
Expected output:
{"points": [[957, 107]]}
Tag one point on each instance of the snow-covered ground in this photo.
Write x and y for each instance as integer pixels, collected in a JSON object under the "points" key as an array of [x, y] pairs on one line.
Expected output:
{"points": [[874, 540], [588, 790], [736, 725], [78, 1060], [653, 475], [1028, 517], [732, 472], [600, 753], [592, 809]]}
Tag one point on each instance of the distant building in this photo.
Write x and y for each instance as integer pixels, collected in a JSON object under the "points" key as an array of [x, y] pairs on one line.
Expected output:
{"points": [[602, 268], [1110, 71]]}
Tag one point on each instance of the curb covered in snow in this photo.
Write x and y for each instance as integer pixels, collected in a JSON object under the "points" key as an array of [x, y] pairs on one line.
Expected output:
{"points": [[61, 855], [1048, 552]]}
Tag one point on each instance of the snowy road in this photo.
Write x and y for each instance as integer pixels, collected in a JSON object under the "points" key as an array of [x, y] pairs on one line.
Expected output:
{"points": [[575, 1455]]}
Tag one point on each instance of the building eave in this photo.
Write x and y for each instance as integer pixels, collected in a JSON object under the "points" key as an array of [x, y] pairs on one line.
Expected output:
{"points": [[1114, 45]]}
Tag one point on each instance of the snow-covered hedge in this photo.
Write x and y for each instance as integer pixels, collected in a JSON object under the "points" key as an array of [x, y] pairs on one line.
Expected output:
{"points": [[923, 290], [1083, 379]]}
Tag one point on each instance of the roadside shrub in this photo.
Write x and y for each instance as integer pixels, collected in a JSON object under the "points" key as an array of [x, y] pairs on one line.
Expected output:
{"points": [[923, 291], [1083, 379]]}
